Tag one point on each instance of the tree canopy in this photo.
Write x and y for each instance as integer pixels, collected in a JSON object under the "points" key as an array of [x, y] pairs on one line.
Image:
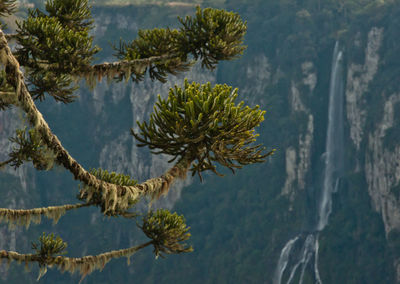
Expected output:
{"points": [[199, 126]]}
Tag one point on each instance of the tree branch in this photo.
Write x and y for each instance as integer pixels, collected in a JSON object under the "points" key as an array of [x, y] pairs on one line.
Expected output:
{"points": [[115, 198], [85, 265], [24, 217], [2, 164], [123, 67]]}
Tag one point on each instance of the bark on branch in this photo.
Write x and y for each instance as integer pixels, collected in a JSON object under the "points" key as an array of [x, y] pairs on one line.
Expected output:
{"points": [[84, 265], [24, 217], [116, 198]]}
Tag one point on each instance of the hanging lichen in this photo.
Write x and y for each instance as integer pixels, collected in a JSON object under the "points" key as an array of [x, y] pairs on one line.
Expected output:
{"points": [[116, 198], [24, 217], [198, 125], [167, 233], [118, 193]]}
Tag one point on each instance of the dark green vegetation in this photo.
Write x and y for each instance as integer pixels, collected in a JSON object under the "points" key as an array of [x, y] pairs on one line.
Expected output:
{"points": [[206, 124], [240, 223], [55, 50]]}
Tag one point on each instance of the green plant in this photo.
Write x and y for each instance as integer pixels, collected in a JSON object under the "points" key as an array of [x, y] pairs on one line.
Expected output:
{"points": [[199, 125], [167, 231]]}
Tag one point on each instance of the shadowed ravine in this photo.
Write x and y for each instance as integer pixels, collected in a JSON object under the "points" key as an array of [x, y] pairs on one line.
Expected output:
{"points": [[302, 251]]}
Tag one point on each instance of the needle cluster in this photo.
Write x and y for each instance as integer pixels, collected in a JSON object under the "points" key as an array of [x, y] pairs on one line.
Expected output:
{"points": [[204, 124], [200, 126]]}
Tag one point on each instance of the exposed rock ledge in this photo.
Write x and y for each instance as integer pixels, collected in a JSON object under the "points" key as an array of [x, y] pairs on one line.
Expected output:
{"points": [[382, 170], [358, 78], [298, 164]]}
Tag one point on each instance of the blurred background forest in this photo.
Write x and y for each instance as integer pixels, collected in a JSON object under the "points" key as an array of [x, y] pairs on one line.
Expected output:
{"points": [[239, 223]]}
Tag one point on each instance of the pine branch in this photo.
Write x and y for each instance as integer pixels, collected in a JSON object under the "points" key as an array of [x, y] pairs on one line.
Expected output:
{"points": [[84, 265], [114, 198], [55, 48], [167, 231], [210, 36], [117, 199], [204, 123], [4, 163], [30, 147], [121, 69], [117, 70], [15, 78], [23, 217]]}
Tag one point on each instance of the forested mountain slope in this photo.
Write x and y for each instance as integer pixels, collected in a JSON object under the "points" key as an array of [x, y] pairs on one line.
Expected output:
{"points": [[241, 223]]}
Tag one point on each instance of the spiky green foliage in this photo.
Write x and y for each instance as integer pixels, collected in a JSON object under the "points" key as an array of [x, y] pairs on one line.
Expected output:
{"points": [[203, 123], [72, 13], [149, 43], [84, 265], [197, 124], [48, 246], [113, 177], [55, 46], [168, 232], [88, 193], [30, 147], [212, 35]]}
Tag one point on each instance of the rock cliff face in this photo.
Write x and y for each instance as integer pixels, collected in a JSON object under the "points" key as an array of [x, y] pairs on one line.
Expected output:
{"points": [[381, 162], [382, 166], [241, 222], [373, 153], [358, 78], [378, 163], [382, 154], [382, 169], [298, 164], [15, 186]]}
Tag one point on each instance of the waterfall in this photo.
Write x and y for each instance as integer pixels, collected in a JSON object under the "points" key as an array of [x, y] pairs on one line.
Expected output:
{"points": [[333, 170], [334, 140], [284, 259]]}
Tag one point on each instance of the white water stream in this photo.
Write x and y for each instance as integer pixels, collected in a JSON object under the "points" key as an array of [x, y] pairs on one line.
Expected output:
{"points": [[295, 257]]}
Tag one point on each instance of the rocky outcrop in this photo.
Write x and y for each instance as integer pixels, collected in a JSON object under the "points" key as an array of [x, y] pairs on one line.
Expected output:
{"points": [[305, 144], [295, 100], [310, 75], [291, 174], [258, 76], [358, 79], [382, 169], [298, 162], [19, 184]]}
